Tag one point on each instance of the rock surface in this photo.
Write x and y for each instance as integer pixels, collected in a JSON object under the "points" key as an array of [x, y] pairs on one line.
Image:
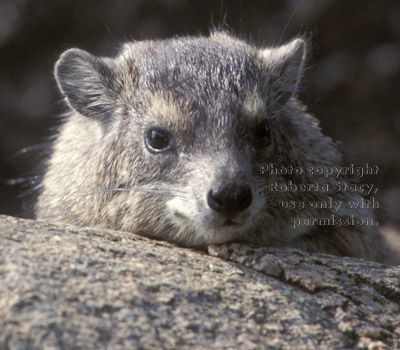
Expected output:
{"points": [[63, 287]]}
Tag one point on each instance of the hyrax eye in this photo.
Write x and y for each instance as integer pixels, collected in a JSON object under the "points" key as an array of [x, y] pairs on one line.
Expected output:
{"points": [[263, 134], [157, 140]]}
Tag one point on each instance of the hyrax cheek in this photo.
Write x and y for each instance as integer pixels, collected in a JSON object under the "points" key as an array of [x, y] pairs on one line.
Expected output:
{"points": [[180, 209], [189, 212]]}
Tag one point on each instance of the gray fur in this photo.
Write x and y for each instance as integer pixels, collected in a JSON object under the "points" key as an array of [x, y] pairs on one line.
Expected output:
{"points": [[209, 94]]}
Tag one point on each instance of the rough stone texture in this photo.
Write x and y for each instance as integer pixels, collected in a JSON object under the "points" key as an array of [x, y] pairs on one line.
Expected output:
{"points": [[63, 287]]}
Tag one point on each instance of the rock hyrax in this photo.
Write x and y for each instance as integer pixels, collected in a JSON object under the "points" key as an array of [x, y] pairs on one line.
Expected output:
{"points": [[169, 139]]}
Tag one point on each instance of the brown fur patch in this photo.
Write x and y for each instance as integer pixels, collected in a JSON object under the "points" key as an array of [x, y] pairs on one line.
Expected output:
{"points": [[253, 104], [166, 109]]}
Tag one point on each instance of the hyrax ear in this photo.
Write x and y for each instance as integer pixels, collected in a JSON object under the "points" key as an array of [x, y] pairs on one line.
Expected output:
{"points": [[87, 82], [285, 66]]}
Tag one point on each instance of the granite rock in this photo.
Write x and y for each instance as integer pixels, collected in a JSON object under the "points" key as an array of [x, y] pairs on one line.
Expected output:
{"points": [[63, 287]]}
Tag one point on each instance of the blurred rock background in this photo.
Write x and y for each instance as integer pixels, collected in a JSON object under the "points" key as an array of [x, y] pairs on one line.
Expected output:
{"points": [[352, 85]]}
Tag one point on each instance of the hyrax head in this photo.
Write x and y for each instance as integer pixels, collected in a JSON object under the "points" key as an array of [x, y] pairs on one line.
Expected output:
{"points": [[185, 124]]}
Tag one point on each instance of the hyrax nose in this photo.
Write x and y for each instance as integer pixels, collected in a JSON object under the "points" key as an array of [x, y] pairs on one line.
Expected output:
{"points": [[230, 199]]}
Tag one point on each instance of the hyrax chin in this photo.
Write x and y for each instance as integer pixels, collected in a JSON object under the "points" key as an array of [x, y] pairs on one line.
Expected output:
{"points": [[167, 140]]}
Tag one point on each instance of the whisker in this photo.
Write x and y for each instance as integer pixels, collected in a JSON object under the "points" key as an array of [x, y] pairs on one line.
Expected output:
{"points": [[289, 20]]}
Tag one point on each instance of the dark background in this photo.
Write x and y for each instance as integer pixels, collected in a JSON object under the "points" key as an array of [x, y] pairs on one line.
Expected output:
{"points": [[352, 84]]}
